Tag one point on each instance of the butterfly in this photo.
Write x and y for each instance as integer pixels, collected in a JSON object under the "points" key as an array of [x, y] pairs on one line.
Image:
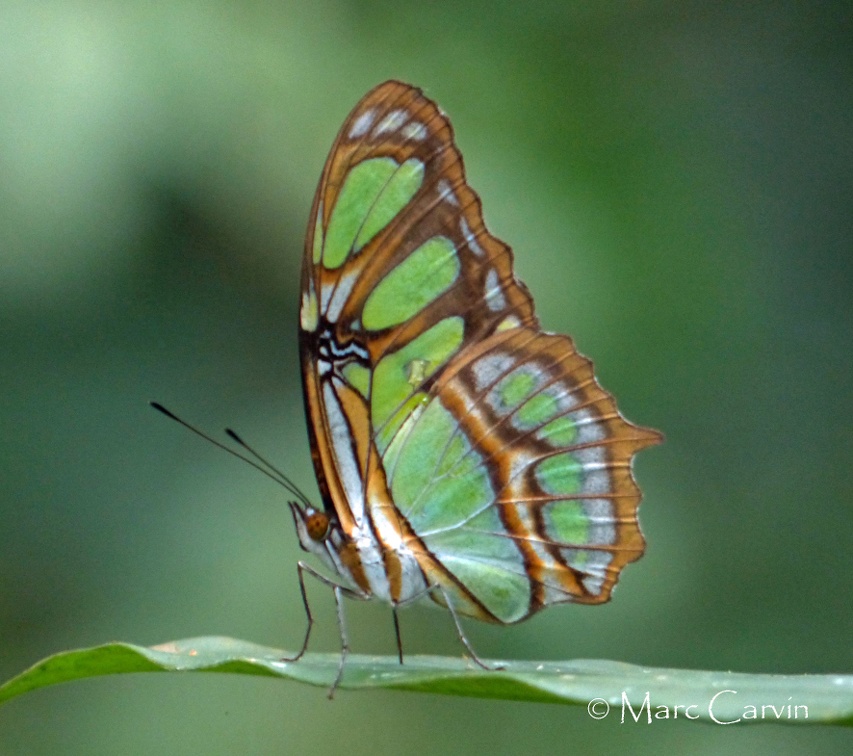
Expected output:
{"points": [[462, 453]]}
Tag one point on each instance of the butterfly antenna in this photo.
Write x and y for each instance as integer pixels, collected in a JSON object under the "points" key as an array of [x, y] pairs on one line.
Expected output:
{"points": [[275, 475], [282, 478]]}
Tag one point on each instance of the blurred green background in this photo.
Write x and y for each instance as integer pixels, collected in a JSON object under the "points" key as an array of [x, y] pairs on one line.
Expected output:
{"points": [[675, 179]]}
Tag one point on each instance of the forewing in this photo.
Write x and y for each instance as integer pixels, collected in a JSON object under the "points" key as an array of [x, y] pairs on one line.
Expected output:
{"points": [[399, 274]]}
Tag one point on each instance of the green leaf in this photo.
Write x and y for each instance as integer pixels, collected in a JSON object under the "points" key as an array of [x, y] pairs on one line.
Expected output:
{"points": [[620, 690]]}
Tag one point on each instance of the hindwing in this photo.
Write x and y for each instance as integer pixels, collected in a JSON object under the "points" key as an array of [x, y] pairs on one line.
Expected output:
{"points": [[515, 477]]}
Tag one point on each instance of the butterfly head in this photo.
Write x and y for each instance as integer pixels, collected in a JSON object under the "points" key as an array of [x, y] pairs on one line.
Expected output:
{"points": [[312, 525], [320, 534]]}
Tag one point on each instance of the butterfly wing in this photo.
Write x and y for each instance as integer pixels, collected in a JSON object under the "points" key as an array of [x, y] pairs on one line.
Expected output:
{"points": [[444, 423], [515, 477], [398, 273]]}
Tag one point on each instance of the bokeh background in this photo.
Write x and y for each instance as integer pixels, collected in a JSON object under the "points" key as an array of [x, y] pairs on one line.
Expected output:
{"points": [[675, 178]]}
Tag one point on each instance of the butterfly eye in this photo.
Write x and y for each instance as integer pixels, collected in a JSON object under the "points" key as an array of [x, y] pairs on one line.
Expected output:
{"points": [[317, 525]]}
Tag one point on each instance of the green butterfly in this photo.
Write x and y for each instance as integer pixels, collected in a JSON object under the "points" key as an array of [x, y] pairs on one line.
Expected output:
{"points": [[462, 453]]}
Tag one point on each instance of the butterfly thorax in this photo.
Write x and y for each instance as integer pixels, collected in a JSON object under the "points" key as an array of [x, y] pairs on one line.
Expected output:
{"points": [[368, 567]]}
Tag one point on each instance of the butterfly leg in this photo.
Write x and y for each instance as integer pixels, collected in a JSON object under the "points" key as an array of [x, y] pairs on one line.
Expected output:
{"points": [[394, 608], [301, 567], [399, 605], [339, 607], [461, 633], [339, 591]]}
